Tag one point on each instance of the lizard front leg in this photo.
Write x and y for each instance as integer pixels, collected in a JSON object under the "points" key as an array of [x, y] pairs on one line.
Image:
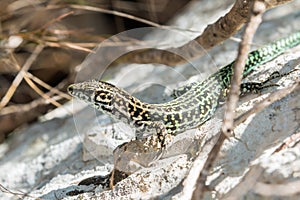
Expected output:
{"points": [[159, 139]]}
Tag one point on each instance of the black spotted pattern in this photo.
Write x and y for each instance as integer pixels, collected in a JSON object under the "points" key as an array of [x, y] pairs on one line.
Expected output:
{"points": [[195, 105], [138, 112], [103, 97]]}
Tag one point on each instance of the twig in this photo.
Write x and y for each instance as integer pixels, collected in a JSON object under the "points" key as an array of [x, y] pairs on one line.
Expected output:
{"points": [[287, 189], [290, 141], [198, 164], [200, 184], [257, 10], [22, 194], [250, 179], [239, 65]]}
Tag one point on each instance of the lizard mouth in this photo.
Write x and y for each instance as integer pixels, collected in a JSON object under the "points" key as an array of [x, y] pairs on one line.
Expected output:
{"points": [[77, 91]]}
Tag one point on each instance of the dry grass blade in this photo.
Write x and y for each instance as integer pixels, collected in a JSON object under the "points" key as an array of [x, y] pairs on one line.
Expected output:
{"points": [[56, 20], [10, 92], [26, 75], [116, 13], [76, 46], [128, 16], [22, 108], [48, 87], [40, 92]]}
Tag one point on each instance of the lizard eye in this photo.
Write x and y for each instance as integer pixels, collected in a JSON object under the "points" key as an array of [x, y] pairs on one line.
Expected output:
{"points": [[70, 89], [103, 97]]}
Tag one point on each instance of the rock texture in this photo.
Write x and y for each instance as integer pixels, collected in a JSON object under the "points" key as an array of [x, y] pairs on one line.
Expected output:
{"points": [[48, 159]]}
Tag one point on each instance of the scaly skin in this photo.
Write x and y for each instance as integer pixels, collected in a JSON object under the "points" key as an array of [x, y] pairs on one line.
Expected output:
{"points": [[195, 106]]}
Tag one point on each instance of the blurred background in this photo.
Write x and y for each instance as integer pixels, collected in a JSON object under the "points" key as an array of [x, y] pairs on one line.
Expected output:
{"points": [[43, 41]]}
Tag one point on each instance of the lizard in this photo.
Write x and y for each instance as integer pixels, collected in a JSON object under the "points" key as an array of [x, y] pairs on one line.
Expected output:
{"points": [[195, 103]]}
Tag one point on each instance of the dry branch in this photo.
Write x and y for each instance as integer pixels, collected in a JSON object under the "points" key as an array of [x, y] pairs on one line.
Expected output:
{"points": [[257, 9], [213, 35]]}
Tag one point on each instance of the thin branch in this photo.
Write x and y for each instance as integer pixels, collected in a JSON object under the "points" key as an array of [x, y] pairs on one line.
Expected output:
{"points": [[198, 164], [248, 182], [239, 65], [20, 194], [287, 189], [200, 184], [290, 141], [255, 18], [250, 179]]}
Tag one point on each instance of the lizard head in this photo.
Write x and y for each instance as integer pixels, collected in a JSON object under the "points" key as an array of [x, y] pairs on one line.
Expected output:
{"points": [[96, 93]]}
